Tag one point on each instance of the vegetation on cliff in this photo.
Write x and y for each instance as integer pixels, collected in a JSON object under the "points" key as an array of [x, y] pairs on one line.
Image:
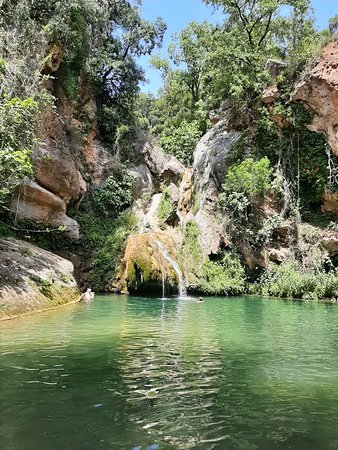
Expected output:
{"points": [[58, 57]]}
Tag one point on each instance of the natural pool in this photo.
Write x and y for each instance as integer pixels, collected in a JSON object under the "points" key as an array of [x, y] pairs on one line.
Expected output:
{"points": [[125, 373]]}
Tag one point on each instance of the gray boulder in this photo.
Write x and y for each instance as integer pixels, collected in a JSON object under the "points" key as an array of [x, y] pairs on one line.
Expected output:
{"points": [[166, 168]]}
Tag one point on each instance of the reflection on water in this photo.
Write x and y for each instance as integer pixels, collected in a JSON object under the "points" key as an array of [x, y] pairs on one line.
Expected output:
{"points": [[125, 373]]}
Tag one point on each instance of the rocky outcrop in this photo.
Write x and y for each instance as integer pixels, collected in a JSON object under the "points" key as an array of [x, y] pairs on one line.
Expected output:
{"points": [[56, 171], [329, 241], [166, 168], [54, 56], [209, 170], [32, 279], [319, 92], [143, 181], [330, 202], [35, 203], [146, 265]]}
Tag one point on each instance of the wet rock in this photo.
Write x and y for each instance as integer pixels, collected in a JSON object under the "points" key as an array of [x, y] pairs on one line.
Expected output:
{"points": [[186, 200], [32, 279], [144, 267]]}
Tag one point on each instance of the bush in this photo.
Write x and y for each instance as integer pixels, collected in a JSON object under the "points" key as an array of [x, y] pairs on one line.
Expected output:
{"points": [[165, 209], [181, 141], [17, 140], [251, 178], [116, 193], [106, 260], [291, 281], [224, 277]]}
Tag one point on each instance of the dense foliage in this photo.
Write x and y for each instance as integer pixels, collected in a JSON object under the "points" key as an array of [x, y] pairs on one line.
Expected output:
{"points": [[290, 280], [100, 41], [224, 276], [231, 60]]}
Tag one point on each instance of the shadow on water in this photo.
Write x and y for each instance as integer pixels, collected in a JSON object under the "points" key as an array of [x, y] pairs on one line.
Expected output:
{"points": [[126, 372]]}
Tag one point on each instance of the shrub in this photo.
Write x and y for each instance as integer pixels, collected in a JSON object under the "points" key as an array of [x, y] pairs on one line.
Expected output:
{"points": [[116, 193], [224, 277], [165, 209], [106, 260], [17, 139], [181, 141], [250, 178], [290, 280]]}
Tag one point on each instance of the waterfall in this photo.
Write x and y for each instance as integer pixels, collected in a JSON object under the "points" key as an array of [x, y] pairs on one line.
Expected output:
{"points": [[163, 285], [182, 292]]}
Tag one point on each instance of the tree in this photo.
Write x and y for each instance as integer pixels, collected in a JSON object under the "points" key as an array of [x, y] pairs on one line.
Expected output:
{"points": [[333, 24]]}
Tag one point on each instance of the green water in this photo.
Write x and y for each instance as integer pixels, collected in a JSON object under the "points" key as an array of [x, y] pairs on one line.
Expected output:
{"points": [[122, 373]]}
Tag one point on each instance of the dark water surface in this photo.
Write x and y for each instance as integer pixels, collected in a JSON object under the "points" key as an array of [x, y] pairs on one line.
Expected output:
{"points": [[125, 373]]}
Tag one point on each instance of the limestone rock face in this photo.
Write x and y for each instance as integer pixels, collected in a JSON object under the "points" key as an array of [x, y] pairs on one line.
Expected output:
{"points": [[270, 95], [32, 279], [319, 92], [164, 167], [36, 203], [143, 180], [185, 203], [146, 265], [99, 162], [209, 170], [56, 171]]}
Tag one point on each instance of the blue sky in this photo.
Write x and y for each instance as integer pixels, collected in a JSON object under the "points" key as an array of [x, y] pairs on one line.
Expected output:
{"points": [[179, 13]]}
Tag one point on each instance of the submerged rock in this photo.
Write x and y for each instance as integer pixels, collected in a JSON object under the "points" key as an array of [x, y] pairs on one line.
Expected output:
{"points": [[32, 279]]}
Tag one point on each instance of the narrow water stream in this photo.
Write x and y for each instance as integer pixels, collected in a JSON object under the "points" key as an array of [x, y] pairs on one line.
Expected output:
{"points": [[124, 373], [182, 291]]}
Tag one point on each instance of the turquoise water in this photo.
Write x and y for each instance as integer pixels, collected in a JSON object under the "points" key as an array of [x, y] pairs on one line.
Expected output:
{"points": [[125, 373]]}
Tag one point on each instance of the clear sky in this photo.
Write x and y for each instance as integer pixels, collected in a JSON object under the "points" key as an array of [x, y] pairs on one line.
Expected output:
{"points": [[179, 13]]}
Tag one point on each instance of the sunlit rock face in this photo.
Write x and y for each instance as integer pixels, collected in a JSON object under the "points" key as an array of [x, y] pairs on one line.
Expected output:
{"points": [[37, 204], [32, 279], [53, 59], [209, 170], [319, 92], [165, 168]]}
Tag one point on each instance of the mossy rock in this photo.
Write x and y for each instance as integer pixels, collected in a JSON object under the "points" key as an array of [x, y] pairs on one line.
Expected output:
{"points": [[144, 267]]}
